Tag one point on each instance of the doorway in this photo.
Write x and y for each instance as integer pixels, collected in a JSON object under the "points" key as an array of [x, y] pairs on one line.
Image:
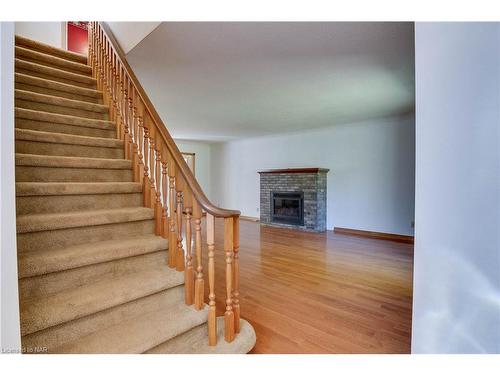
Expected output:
{"points": [[77, 37]]}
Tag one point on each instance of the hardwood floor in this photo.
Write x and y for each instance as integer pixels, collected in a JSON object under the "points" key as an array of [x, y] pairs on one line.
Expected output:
{"points": [[321, 293]]}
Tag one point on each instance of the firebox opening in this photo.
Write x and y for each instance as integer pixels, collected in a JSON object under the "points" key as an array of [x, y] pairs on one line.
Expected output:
{"points": [[287, 207]]}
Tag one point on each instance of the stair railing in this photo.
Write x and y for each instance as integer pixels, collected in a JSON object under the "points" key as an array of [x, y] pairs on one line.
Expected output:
{"points": [[169, 186]]}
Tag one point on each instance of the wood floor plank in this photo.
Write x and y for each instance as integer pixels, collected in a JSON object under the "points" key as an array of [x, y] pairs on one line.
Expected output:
{"points": [[309, 292]]}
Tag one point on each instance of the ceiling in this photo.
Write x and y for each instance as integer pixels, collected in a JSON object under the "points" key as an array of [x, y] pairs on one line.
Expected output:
{"points": [[128, 34], [226, 80]]}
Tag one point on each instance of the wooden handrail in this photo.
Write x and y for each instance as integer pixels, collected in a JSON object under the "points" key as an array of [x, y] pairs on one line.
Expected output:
{"points": [[189, 178]]}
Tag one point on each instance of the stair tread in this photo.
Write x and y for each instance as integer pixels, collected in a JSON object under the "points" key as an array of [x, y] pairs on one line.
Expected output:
{"points": [[31, 114], [61, 220], [51, 71], [71, 162], [59, 62], [36, 45], [47, 311], [152, 329], [36, 262], [195, 341], [68, 139], [56, 85], [60, 101], [25, 189]]}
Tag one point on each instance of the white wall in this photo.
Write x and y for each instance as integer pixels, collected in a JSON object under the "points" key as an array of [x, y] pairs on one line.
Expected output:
{"points": [[456, 307], [202, 162], [371, 178], [10, 337], [53, 33]]}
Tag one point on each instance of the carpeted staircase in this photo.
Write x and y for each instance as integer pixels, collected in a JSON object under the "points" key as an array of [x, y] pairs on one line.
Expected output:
{"points": [[93, 277]]}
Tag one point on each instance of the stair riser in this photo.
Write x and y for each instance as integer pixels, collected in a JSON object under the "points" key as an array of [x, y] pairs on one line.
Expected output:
{"points": [[55, 282], [45, 107], [62, 94], [64, 128], [48, 174], [58, 149], [52, 63], [80, 235], [45, 204], [73, 330], [88, 84]]}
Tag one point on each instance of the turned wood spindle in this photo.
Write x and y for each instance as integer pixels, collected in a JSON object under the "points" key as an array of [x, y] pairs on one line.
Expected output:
{"points": [[189, 272], [131, 126], [140, 140], [212, 318], [236, 273], [152, 166], [199, 284], [164, 213], [105, 71], [113, 88], [126, 138], [158, 205], [135, 144], [109, 81], [119, 92], [172, 238], [99, 59], [145, 179], [179, 187], [116, 97], [228, 248]]}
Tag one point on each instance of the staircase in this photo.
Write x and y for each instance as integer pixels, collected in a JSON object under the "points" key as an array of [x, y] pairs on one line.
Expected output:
{"points": [[101, 194]]}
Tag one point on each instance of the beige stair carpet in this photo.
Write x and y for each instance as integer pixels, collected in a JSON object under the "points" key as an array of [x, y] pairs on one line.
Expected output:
{"points": [[93, 276]]}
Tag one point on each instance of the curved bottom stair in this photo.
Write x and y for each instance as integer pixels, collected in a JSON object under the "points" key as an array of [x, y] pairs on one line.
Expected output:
{"points": [[195, 341]]}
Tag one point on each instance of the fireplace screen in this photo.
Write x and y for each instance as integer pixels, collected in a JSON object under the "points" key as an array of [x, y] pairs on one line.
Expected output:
{"points": [[287, 208]]}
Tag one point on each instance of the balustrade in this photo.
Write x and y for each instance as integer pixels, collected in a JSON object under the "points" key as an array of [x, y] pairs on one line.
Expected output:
{"points": [[168, 185]]}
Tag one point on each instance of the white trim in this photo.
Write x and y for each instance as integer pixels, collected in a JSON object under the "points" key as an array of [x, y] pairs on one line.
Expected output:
{"points": [[64, 34]]}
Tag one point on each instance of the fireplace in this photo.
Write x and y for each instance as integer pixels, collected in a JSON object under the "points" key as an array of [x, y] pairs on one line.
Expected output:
{"points": [[287, 208], [294, 198]]}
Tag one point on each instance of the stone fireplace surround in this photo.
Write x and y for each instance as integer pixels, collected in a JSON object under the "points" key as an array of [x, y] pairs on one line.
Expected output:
{"points": [[310, 181]]}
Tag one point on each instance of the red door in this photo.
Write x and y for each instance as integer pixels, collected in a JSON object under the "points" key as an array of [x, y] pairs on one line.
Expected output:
{"points": [[78, 37]]}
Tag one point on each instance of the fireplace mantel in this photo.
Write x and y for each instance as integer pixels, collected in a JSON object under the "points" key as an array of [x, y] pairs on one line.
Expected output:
{"points": [[295, 170]]}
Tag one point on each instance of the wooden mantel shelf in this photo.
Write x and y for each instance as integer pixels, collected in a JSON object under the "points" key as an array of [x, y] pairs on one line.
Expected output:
{"points": [[296, 170]]}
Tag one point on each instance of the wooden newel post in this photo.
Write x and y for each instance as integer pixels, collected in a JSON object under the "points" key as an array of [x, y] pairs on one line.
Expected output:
{"points": [[228, 248], [172, 238], [236, 273], [189, 272], [179, 187], [199, 284], [212, 318]]}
